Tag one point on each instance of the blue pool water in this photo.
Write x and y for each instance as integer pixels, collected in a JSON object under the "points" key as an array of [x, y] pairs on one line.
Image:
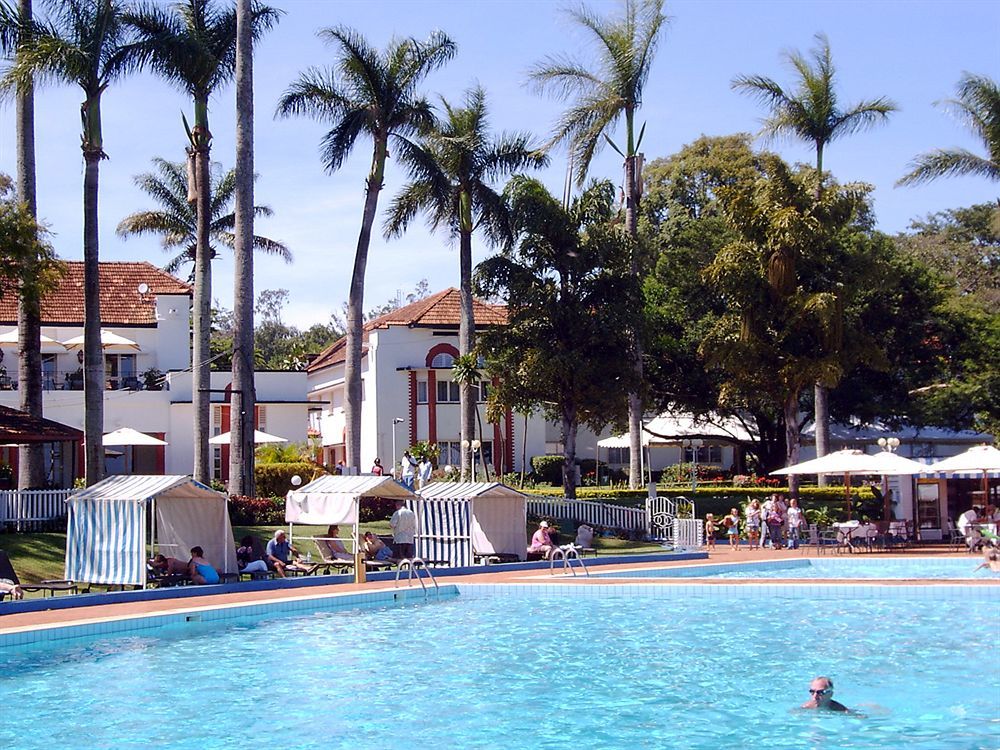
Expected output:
{"points": [[833, 567], [524, 670]]}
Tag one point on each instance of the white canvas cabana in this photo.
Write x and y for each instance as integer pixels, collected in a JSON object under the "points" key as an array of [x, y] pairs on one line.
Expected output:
{"points": [[110, 524], [337, 499], [457, 520]]}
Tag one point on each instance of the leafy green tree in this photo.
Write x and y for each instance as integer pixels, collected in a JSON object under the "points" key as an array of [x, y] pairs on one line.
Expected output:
{"points": [[83, 43], [565, 285], [812, 113], [452, 170], [27, 261], [978, 104], [192, 44], [603, 96], [372, 94], [176, 222]]}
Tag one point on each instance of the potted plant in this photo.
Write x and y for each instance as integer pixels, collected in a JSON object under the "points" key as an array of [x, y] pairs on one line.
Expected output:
{"points": [[152, 379]]}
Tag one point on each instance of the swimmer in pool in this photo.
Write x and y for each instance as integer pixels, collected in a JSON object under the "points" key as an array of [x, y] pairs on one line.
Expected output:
{"points": [[991, 560], [821, 696]]}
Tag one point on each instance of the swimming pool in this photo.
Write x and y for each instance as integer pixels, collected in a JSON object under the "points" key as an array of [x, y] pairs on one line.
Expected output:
{"points": [[826, 568], [506, 667]]}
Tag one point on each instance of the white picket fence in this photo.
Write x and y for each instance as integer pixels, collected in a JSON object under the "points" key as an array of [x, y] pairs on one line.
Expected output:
{"points": [[28, 509], [666, 519]]}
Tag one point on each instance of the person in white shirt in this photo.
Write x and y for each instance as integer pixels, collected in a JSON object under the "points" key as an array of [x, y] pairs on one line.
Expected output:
{"points": [[424, 470], [407, 467], [404, 531]]}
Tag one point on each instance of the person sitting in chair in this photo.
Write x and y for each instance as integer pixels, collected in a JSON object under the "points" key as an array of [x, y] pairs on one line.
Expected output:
{"points": [[279, 553], [200, 569], [541, 540], [376, 549], [331, 547], [248, 559], [11, 589], [584, 536], [169, 566]]}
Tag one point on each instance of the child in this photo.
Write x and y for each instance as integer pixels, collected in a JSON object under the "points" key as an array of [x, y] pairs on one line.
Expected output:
{"points": [[710, 530], [732, 524]]}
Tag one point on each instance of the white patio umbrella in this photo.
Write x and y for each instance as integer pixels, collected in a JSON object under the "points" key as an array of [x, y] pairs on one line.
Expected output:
{"points": [[49, 346], [110, 342], [891, 464], [978, 459], [258, 438], [128, 436], [844, 462]]}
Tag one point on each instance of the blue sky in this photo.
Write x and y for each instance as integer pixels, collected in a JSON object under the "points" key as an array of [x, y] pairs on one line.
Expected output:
{"points": [[914, 52]]}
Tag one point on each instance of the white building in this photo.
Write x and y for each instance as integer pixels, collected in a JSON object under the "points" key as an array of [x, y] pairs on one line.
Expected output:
{"points": [[148, 378]]}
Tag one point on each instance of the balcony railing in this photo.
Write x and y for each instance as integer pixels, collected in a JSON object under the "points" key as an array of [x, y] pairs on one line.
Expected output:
{"points": [[72, 380]]}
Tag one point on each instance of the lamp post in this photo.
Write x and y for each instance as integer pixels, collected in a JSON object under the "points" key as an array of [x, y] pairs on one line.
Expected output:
{"points": [[395, 421], [694, 444], [472, 447], [887, 444]]}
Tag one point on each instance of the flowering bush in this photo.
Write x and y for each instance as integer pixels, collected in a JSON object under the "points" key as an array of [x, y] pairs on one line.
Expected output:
{"points": [[752, 480], [256, 511]]}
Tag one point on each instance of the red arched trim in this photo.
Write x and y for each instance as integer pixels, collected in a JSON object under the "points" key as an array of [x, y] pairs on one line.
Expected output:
{"points": [[440, 349]]}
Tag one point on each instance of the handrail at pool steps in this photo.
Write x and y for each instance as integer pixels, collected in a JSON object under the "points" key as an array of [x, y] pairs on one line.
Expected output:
{"points": [[411, 565], [567, 553]]}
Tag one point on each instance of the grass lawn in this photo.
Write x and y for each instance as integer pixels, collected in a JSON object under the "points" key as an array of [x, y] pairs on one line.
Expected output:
{"points": [[41, 556]]}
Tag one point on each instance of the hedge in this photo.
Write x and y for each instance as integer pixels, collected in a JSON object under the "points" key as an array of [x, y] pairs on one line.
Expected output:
{"points": [[275, 480]]}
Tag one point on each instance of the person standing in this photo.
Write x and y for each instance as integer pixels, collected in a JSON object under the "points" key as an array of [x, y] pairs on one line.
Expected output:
{"points": [[404, 530], [753, 523], [407, 469], [424, 469], [796, 519], [732, 524], [377, 469]]}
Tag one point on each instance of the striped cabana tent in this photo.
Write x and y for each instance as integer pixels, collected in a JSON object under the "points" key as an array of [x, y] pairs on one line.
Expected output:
{"points": [[335, 499], [458, 520], [113, 525]]}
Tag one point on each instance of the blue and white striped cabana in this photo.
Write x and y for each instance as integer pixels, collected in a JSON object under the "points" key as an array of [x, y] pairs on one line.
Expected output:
{"points": [[110, 524], [457, 520]]}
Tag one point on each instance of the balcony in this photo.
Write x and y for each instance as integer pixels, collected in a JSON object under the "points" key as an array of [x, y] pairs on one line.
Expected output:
{"points": [[72, 380]]}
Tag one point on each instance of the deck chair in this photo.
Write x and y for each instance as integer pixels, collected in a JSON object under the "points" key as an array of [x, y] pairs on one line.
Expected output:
{"points": [[48, 587], [325, 562]]}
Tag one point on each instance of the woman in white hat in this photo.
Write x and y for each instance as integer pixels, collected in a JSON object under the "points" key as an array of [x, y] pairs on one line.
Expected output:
{"points": [[541, 541]]}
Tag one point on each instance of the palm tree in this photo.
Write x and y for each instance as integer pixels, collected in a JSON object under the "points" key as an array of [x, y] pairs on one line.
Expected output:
{"points": [[192, 44], [978, 103], [603, 96], [15, 33], [243, 399], [374, 94], [84, 43], [177, 222], [451, 172], [811, 113]]}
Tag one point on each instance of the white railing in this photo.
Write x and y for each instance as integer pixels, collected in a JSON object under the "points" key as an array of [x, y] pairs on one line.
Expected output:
{"points": [[662, 515], [28, 508], [589, 512]]}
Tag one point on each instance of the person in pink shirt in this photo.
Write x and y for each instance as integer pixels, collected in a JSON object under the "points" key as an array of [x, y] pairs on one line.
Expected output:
{"points": [[541, 541]]}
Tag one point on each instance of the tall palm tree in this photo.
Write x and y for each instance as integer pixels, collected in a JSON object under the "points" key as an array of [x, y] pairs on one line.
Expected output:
{"points": [[978, 103], [602, 97], [811, 113], [192, 44], [177, 222], [452, 171], [84, 43], [243, 399], [372, 94], [15, 33]]}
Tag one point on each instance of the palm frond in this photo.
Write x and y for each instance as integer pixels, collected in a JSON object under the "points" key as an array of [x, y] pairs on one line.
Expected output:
{"points": [[949, 163]]}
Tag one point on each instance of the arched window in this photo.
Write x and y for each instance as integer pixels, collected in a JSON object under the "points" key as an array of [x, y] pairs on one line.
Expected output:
{"points": [[441, 356], [443, 360]]}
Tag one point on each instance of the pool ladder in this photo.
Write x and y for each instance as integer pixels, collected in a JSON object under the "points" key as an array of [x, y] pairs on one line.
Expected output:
{"points": [[567, 555], [411, 566]]}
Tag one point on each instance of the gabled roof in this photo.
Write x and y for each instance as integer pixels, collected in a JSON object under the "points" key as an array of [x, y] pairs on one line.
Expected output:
{"points": [[17, 427], [144, 488], [468, 490], [355, 486], [121, 302], [441, 310]]}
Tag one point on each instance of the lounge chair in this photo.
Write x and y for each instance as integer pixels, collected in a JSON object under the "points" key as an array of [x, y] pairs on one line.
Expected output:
{"points": [[48, 587]]}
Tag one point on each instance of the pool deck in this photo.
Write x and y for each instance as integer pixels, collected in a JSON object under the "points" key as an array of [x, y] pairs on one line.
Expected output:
{"points": [[96, 613]]}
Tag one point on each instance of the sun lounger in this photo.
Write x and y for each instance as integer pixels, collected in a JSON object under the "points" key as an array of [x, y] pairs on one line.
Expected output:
{"points": [[48, 587]]}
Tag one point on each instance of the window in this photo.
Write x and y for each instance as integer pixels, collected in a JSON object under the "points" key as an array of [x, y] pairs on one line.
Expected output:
{"points": [[619, 455], [484, 391], [119, 369], [421, 391], [707, 454], [443, 360], [447, 391], [450, 453]]}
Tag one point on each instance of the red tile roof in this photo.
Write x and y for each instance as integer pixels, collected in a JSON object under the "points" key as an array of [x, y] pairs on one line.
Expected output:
{"points": [[121, 303], [441, 310], [17, 427]]}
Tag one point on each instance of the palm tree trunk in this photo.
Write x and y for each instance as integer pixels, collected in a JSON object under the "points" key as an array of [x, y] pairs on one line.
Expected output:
{"points": [[466, 342], [355, 313], [569, 430], [791, 417], [31, 458], [524, 449], [635, 410], [243, 399], [821, 405], [202, 322], [93, 353]]}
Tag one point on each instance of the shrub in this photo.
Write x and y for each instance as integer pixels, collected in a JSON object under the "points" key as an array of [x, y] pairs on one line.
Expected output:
{"points": [[256, 511], [375, 509], [276, 479], [548, 469]]}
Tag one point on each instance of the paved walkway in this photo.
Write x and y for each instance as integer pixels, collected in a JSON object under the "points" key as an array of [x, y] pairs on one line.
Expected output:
{"points": [[100, 613]]}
